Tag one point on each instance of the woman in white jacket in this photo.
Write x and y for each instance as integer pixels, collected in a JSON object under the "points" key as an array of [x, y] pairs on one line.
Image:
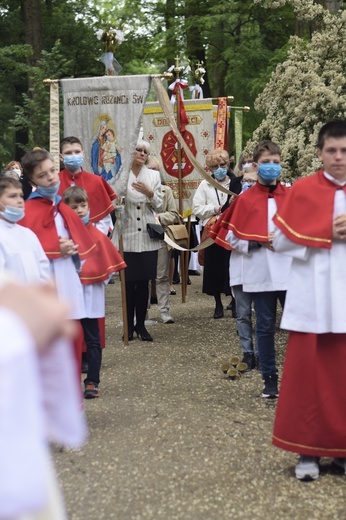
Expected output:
{"points": [[209, 202], [143, 198]]}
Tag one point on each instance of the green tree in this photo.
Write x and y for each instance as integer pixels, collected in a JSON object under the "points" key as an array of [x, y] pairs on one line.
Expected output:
{"points": [[306, 90]]}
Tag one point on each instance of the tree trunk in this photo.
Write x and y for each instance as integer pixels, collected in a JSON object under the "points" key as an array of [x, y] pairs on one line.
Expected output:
{"points": [[171, 39], [31, 10]]}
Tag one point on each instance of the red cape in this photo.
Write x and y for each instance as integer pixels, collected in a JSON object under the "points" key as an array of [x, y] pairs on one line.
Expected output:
{"points": [[247, 216], [99, 192], [103, 262], [39, 217], [306, 217]]}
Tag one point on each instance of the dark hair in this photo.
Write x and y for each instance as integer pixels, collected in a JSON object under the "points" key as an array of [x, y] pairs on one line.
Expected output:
{"points": [[9, 182], [336, 128], [32, 159], [69, 140], [75, 194], [265, 146]]}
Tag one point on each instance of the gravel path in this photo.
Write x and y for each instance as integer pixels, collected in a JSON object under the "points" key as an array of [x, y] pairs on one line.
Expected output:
{"points": [[171, 437]]}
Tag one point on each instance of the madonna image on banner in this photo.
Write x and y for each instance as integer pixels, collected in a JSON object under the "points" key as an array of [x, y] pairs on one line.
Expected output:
{"points": [[104, 154]]}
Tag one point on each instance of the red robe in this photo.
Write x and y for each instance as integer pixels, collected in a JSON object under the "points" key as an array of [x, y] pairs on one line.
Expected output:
{"points": [[297, 216], [99, 192], [103, 262], [247, 216], [39, 217]]}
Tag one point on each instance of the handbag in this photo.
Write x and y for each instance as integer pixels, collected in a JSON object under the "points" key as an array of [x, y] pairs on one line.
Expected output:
{"points": [[155, 231], [178, 234]]}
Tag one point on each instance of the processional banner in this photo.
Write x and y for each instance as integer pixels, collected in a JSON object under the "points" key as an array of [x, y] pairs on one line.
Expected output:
{"points": [[198, 136], [105, 114]]}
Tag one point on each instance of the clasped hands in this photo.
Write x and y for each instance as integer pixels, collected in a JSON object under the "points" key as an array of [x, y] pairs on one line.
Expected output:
{"points": [[339, 227], [67, 247], [142, 187]]}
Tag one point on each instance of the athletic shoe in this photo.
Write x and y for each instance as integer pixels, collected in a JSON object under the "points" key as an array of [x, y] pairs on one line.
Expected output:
{"points": [[166, 318], [249, 359], [307, 468], [91, 391], [339, 465], [270, 388]]}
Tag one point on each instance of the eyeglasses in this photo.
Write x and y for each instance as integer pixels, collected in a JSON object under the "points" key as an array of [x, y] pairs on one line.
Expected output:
{"points": [[216, 166], [142, 150]]}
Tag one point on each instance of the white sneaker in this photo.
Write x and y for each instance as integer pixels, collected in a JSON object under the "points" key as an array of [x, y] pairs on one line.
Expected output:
{"points": [[166, 318], [307, 468], [149, 322], [339, 464]]}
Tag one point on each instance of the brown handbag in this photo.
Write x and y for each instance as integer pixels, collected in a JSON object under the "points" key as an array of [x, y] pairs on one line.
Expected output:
{"points": [[178, 234]]}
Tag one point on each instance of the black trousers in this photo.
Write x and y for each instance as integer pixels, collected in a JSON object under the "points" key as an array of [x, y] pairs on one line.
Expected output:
{"points": [[137, 294], [94, 351]]}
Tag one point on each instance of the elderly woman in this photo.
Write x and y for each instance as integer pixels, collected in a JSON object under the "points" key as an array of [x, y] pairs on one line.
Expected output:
{"points": [[210, 202], [143, 198]]}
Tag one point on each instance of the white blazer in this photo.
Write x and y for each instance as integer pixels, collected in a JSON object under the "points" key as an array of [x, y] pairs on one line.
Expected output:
{"points": [[137, 215]]}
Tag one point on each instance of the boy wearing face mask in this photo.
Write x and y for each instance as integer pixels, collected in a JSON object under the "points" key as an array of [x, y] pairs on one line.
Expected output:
{"points": [[265, 273], [20, 250], [63, 236], [95, 274], [101, 195]]}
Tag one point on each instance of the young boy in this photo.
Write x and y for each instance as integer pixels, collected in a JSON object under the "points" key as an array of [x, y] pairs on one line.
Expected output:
{"points": [[20, 250], [95, 273], [60, 231], [265, 273], [243, 300], [101, 195], [311, 418]]}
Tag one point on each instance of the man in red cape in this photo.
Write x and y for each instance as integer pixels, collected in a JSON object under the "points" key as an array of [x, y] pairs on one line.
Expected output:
{"points": [[311, 412]]}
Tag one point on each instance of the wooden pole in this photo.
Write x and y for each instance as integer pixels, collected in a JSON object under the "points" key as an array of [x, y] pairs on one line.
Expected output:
{"points": [[180, 187], [123, 294]]}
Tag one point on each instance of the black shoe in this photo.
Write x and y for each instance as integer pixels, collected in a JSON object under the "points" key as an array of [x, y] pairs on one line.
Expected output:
{"points": [[111, 281], [130, 336], [249, 359], [218, 313], [153, 300], [144, 335], [176, 281], [85, 367], [270, 389], [191, 272], [188, 281], [231, 307]]}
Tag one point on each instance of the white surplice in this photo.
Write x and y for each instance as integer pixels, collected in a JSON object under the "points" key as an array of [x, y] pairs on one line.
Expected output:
{"points": [[315, 299], [66, 278], [259, 270]]}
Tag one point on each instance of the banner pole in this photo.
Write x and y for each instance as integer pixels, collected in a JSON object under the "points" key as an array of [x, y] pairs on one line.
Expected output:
{"points": [[180, 185]]}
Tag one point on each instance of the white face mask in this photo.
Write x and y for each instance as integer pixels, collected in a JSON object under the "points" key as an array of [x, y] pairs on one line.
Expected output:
{"points": [[246, 165], [14, 172]]}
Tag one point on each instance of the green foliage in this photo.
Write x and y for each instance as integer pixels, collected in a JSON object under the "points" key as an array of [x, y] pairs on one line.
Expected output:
{"points": [[32, 116]]}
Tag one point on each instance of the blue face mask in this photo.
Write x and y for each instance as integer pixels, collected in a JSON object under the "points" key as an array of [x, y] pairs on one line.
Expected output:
{"points": [[86, 218], [12, 214], [269, 171], [73, 162], [48, 192], [220, 174]]}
